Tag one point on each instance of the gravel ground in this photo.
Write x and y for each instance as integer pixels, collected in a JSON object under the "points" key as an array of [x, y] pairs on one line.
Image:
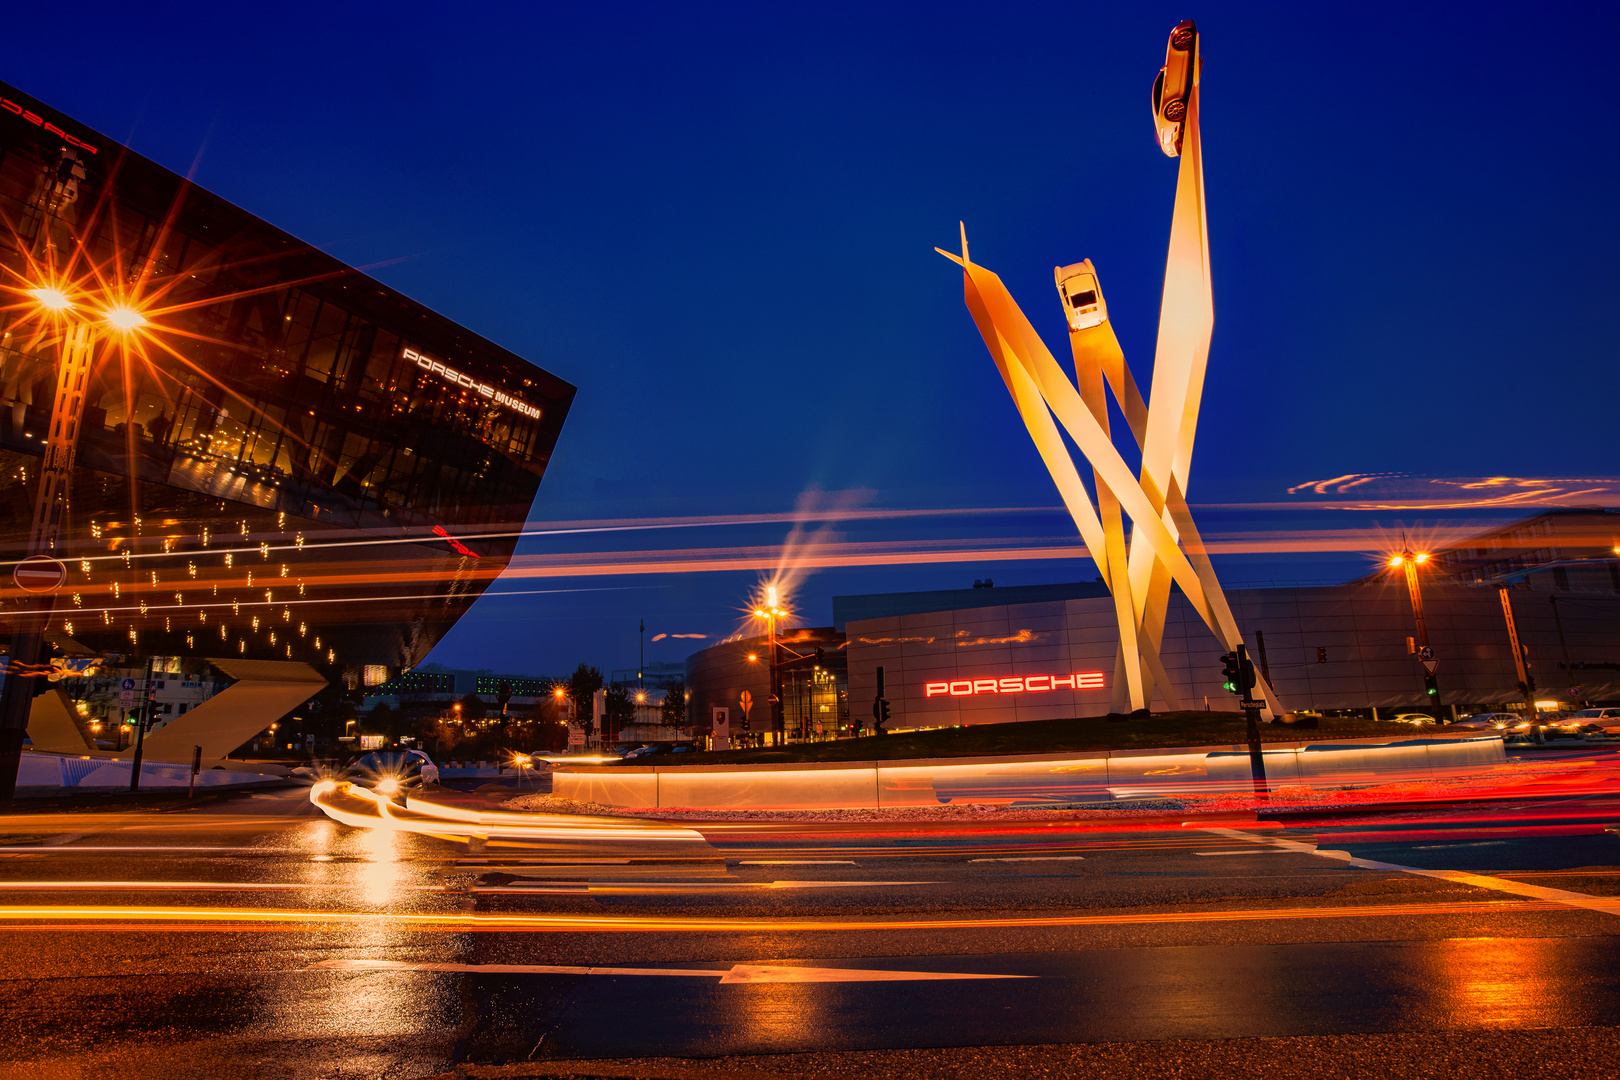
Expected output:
{"points": [[1541, 1054]]}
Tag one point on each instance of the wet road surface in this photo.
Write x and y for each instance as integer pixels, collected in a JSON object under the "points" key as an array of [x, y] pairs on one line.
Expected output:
{"points": [[265, 938]]}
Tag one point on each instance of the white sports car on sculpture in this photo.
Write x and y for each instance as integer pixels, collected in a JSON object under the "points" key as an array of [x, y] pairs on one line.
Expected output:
{"points": [[1173, 88], [1083, 303]]}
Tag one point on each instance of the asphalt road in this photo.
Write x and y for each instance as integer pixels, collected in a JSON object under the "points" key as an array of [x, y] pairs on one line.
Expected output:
{"points": [[261, 938]]}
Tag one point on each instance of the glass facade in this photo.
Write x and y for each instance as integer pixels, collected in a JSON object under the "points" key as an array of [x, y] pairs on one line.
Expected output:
{"points": [[815, 700], [287, 460]]}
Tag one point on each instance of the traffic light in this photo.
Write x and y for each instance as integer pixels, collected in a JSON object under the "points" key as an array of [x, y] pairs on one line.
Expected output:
{"points": [[1246, 671], [883, 711], [1231, 673], [821, 655], [1429, 686], [745, 722], [1321, 655]]}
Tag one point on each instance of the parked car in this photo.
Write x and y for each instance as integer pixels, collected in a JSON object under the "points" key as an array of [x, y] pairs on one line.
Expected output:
{"points": [[1505, 722], [1416, 719], [647, 751], [1605, 719], [391, 772], [1172, 90]]}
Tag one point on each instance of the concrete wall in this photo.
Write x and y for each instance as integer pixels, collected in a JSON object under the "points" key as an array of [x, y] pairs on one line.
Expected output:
{"points": [[52, 773], [1051, 778]]}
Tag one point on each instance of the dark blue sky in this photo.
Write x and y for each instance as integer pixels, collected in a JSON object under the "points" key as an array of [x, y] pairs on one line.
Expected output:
{"points": [[718, 222]]}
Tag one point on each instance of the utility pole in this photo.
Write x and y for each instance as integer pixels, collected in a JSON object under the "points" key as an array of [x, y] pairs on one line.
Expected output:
{"points": [[140, 732], [1251, 718], [50, 512], [1237, 676], [1527, 681], [1260, 648], [1409, 562], [770, 612]]}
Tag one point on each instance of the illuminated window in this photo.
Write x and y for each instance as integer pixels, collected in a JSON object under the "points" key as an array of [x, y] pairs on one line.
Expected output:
{"points": [[376, 674]]}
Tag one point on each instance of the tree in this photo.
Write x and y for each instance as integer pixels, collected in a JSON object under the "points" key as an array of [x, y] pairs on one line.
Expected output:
{"points": [[582, 687], [381, 720], [621, 708], [673, 710], [472, 708]]}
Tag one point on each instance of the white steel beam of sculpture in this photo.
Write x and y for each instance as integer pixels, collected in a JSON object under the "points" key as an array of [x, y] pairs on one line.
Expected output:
{"points": [[1164, 544]]}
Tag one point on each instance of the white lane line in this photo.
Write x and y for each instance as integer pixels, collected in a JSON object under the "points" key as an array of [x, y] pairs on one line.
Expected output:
{"points": [[186, 886], [738, 973], [1036, 858], [39, 849], [797, 862], [1609, 905], [502, 864], [671, 887]]}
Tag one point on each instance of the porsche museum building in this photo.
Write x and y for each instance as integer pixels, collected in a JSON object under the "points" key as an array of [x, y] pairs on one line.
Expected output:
{"points": [[290, 477], [1046, 652], [993, 655]]}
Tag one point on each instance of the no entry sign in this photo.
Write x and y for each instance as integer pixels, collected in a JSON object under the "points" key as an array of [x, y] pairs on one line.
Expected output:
{"points": [[39, 574]]}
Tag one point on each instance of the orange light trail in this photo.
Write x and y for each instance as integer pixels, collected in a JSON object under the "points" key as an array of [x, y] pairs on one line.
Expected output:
{"points": [[102, 918]]}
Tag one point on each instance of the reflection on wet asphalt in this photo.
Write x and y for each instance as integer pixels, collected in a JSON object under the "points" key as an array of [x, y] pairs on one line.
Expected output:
{"points": [[289, 937]]}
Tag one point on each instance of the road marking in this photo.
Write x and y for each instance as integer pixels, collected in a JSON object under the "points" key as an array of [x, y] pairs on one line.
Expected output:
{"points": [[236, 919], [797, 862], [738, 973], [1035, 858], [486, 864], [666, 888], [1609, 905], [39, 849], [175, 886]]}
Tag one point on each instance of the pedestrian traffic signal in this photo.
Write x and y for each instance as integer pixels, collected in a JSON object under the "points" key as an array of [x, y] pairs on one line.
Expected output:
{"points": [[1231, 673]]}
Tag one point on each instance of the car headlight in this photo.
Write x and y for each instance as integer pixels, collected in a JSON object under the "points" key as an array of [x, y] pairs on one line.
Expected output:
{"points": [[387, 786]]}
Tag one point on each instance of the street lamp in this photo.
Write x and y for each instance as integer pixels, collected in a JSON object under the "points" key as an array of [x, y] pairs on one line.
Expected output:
{"points": [[50, 506], [1409, 562], [770, 613]]}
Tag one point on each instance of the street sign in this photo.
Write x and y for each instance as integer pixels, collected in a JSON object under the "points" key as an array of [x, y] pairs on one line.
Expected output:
{"points": [[746, 701], [1430, 665], [126, 698], [39, 574], [1426, 653]]}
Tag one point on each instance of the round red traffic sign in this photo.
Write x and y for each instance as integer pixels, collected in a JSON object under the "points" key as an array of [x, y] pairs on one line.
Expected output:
{"points": [[39, 574]]}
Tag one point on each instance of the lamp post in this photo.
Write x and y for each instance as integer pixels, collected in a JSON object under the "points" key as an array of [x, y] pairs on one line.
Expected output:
{"points": [[770, 613], [1409, 562], [79, 337]]}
